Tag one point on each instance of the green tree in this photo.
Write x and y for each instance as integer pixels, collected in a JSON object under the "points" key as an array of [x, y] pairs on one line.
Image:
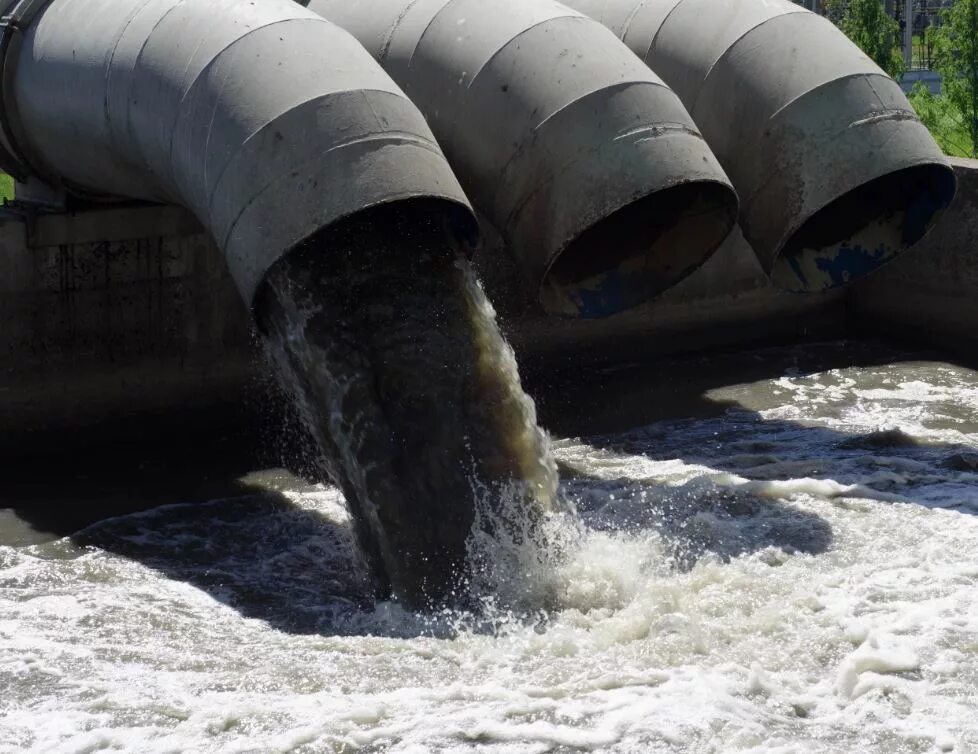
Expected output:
{"points": [[867, 24], [835, 10], [944, 122], [956, 59]]}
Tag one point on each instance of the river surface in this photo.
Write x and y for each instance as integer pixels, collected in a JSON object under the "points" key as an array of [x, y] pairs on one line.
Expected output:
{"points": [[793, 567]]}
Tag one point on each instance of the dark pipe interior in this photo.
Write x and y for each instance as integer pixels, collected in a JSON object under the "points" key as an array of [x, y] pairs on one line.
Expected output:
{"points": [[639, 251], [864, 229]]}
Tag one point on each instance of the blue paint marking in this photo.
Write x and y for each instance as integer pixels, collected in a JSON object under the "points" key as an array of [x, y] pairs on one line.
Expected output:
{"points": [[852, 262], [855, 261], [796, 268], [602, 301]]}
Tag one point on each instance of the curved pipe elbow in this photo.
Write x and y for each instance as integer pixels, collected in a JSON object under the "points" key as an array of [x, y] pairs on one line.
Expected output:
{"points": [[836, 174], [590, 167], [209, 104]]}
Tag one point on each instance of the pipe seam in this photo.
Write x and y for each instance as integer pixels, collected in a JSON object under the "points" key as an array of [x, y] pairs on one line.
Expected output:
{"points": [[730, 51], [393, 138], [518, 93]]}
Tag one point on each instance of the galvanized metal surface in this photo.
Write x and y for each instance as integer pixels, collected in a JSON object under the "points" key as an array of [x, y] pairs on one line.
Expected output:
{"points": [[586, 162], [16, 16], [835, 172], [266, 121]]}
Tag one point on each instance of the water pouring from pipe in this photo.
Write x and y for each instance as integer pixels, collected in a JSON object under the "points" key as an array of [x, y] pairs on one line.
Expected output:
{"points": [[383, 336]]}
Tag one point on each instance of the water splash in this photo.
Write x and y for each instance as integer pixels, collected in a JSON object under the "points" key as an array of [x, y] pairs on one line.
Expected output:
{"points": [[384, 338]]}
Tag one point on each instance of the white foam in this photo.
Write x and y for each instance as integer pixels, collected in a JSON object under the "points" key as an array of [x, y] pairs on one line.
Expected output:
{"points": [[704, 605]]}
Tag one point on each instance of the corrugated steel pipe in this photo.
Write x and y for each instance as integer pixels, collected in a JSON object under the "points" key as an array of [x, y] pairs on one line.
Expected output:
{"points": [[586, 162], [835, 172], [209, 104]]}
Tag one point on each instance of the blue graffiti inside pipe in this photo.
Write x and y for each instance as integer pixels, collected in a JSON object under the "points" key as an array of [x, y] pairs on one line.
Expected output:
{"points": [[601, 298], [854, 261]]}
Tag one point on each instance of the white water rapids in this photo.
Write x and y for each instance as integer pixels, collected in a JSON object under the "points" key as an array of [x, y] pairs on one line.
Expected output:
{"points": [[796, 574]]}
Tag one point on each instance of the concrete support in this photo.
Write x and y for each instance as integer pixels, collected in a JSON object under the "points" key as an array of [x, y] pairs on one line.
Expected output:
{"points": [[931, 295]]}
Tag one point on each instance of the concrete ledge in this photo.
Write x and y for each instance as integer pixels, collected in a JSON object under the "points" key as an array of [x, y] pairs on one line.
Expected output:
{"points": [[96, 328], [111, 225], [930, 294]]}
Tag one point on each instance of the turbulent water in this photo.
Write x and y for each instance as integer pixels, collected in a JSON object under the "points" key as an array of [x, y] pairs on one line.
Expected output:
{"points": [[387, 343], [794, 573]]}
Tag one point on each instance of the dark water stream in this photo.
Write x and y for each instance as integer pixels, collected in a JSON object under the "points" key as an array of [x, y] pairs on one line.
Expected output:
{"points": [[386, 342]]}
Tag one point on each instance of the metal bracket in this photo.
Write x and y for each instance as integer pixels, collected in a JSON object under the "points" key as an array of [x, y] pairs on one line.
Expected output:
{"points": [[14, 157]]}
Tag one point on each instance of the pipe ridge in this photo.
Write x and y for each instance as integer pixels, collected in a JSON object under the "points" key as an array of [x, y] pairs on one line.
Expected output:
{"points": [[577, 17], [389, 37], [617, 86], [107, 78], [213, 61], [203, 71], [728, 51], [505, 46], [848, 77], [328, 95], [659, 129], [450, 137], [524, 145], [872, 116], [398, 137], [878, 116], [573, 156], [869, 83], [655, 37], [627, 24], [135, 66], [424, 32]]}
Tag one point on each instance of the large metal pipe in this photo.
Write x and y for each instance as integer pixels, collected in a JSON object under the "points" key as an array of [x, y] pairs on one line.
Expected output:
{"points": [[835, 172], [586, 162], [264, 119]]}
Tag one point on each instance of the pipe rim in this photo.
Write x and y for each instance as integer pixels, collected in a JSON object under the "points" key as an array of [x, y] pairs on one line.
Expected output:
{"points": [[457, 218], [863, 228], [652, 242]]}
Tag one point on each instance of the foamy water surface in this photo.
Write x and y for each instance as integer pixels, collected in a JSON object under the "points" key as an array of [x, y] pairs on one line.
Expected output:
{"points": [[796, 574]]}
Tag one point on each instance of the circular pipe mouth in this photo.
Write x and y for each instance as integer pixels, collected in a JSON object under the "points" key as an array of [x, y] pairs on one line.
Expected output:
{"points": [[864, 229], [413, 218], [639, 251]]}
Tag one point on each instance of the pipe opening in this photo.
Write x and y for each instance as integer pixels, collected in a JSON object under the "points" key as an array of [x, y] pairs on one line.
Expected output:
{"points": [[864, 229], [639, 251], [414, 218], [384, 339]]}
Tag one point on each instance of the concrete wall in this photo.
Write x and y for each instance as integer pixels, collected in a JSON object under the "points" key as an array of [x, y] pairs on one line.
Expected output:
{"points": [[114, 312], [931, 79], [102, 314], [930, 295]]}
